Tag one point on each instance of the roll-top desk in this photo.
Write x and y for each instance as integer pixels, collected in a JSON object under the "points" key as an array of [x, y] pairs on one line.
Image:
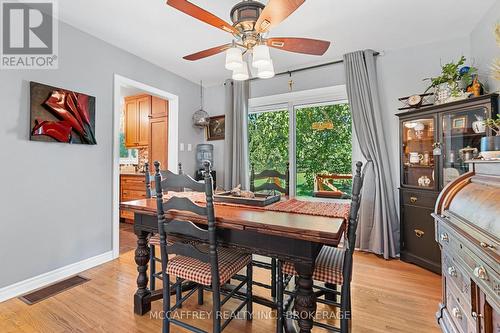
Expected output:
{"points": [[467, 215]]}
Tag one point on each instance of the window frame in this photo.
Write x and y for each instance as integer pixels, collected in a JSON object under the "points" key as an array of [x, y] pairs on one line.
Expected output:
{"points": [[293, 101], [130, 159]]}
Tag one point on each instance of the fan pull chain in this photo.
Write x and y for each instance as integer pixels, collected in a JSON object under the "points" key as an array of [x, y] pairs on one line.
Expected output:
{"points": [[290, 82]]}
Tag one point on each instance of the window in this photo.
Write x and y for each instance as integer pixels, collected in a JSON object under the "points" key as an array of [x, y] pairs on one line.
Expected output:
{"points": [[127, 156], [311, 130], [268, 141], [323, 147]]}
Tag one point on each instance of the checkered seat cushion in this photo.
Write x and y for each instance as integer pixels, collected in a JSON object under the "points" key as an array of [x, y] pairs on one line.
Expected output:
{"points": [[328, 268], [230, 263]]}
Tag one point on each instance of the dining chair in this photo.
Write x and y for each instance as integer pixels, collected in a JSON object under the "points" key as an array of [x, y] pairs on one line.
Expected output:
{"points": [[271, 175], [202, 262], [154, 240], [333, 266], [269, 186]]}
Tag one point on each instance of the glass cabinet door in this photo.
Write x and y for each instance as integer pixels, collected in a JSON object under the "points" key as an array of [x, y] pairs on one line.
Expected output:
{"points": [[417, 159], [460, 140]]}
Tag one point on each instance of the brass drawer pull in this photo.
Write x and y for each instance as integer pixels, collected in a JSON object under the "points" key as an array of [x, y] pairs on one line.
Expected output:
{"points": [[476, 315], [487, 246], [413, 199], [444, 237], [452, 271], [419, 233], [456, 313], [480, 272]]}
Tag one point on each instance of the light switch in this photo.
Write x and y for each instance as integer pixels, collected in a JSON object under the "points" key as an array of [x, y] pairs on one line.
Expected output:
{"points": [[181, 148], [190, 147]]}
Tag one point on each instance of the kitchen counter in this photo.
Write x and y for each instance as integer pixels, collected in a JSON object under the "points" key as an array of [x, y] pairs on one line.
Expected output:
{"points": [[125, 173]]}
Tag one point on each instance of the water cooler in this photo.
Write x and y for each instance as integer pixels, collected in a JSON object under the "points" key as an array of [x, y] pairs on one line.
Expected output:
{"points": [[204, 152]]}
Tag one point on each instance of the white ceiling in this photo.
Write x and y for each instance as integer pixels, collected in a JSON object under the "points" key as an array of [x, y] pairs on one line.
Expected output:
{"points": [[160, 34]]}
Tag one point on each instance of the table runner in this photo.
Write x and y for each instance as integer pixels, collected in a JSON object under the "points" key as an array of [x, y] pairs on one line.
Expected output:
{"points": [[296, 206]]}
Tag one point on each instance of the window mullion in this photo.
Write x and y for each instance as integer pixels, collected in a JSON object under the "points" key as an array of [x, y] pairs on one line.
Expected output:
{"points": [[292, 148]]}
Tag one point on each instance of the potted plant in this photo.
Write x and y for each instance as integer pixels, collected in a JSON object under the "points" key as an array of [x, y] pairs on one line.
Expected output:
{"points": [[454, 78], [490, 145]]}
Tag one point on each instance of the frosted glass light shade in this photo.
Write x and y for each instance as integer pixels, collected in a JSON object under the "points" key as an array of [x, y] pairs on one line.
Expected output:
{"points": [[261, 56], [241, 74], [266, 71], [234, 58]]}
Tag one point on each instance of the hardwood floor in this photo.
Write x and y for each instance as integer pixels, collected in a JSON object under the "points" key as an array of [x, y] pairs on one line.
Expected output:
{"points": [[388, 296]]}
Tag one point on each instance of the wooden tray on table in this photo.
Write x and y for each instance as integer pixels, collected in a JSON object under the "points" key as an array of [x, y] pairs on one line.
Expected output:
{"points": [[260, 199]]}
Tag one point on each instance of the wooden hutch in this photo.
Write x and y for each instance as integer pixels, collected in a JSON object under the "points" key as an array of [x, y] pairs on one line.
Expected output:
{"points": [[425, 171]]}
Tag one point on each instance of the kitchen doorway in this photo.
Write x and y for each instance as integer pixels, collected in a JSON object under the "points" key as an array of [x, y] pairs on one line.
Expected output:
{"points": [[122, 87]]}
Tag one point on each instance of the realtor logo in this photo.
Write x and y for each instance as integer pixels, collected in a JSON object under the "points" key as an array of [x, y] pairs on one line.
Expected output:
{"points": [[29, 34]]}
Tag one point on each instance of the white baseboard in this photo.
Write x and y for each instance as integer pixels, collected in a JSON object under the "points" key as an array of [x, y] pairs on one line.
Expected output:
{"points": [[23, 287]]}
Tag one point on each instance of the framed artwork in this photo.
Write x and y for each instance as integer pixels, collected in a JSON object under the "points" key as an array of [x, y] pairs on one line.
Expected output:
{"points": [[459, 123], [216, 128], [60, 115]]}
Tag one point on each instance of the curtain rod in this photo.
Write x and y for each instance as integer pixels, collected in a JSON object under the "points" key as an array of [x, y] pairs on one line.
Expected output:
{"points": [[310, 67]]}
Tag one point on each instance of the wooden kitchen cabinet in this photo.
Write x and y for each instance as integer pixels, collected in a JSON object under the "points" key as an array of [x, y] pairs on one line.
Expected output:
{"points": [[158, 133], [138, 110], [146, 126], [132, 187]]}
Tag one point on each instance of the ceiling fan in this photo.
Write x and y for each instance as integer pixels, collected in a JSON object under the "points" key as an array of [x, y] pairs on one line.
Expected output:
{"points": [[252, 20]]}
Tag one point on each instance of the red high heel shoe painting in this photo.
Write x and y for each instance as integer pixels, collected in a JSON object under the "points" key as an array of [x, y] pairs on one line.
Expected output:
{"points": [[60, 115]]}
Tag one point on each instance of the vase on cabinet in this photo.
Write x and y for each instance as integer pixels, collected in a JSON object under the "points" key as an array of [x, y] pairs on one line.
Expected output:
{"points": [[490, 147], [479, 126]]}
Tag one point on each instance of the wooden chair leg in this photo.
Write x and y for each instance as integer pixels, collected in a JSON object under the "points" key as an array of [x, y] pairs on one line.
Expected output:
{"points": [[166, 293], [273, 277], [216, 308], [152, 268], [279, 298], [331, 296], [200, 295], [345, 309], [178, 293], [249, 315]]}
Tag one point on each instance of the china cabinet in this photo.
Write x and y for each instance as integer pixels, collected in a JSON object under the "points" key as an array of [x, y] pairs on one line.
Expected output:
{"points": [[435, 142]]}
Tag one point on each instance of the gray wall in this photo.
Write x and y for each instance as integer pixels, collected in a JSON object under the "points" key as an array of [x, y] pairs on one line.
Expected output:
{"points": [[56, 199], [484, 47], [214, 105]]}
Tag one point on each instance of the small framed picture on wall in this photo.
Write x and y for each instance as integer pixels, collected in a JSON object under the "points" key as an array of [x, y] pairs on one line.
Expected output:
{"points": [[216, 128]]}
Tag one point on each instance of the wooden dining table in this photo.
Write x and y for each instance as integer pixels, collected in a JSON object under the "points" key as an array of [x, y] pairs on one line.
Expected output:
{"points": [[293, 237]]}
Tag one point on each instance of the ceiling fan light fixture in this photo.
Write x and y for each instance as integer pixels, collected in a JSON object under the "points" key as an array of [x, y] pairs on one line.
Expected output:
{"points": [[266, 71], [234, 58], [241, 74], [261, 56]]}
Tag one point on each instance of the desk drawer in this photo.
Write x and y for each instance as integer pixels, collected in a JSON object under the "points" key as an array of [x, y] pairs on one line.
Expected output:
{"points": [[454, 304], [455, 276], [471, 264]]}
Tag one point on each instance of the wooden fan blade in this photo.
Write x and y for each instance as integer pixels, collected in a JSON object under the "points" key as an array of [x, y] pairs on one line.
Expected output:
{"points": [[207, 53], [201, 14], [275, 12], [299, 45]]}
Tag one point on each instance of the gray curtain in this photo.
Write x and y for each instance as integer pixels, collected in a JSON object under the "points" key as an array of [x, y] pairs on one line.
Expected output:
{"points": [[236, 139], [378, 228]]}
